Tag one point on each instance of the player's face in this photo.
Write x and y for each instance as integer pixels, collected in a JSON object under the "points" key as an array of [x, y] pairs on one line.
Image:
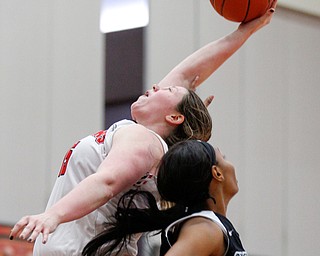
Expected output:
{"points": [[228, 171], [157, 103]]}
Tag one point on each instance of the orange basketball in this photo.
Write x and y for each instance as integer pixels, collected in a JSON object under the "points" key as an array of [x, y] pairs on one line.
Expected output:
{"points": [[241, 10]]}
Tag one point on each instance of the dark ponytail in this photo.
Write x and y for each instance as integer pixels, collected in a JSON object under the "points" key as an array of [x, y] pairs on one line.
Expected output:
{"points": [[183, 179], [129, 220]]}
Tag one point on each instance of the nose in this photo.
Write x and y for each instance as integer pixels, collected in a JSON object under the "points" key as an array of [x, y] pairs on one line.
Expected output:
{"points": [[155, 87]]}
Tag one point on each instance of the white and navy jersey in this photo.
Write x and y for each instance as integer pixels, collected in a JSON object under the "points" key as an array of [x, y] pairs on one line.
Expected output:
{"points": [[232, 240], [82, 160]]}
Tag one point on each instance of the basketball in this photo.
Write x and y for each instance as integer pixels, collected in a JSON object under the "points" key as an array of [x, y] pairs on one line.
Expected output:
{"points": [[241, 10]]}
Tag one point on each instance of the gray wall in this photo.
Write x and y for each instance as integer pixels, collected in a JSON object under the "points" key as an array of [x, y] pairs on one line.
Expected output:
{"points": [[266, 111], [50, 94]]}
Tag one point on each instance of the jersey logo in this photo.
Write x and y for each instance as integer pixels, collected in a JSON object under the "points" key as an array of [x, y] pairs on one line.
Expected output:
{"points": [[143, 180], [240, 254], [100, 136], [65, 161]]}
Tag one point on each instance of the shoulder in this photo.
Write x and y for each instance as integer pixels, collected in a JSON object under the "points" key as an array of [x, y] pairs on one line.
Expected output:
{"points": [[132, 129], [206, 228], [136, 144], [136, 136], [208, 241]]}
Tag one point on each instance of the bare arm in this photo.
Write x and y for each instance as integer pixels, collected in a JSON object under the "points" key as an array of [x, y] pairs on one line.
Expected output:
{"points": [[209, 240], [134, 152], [209, 58]]}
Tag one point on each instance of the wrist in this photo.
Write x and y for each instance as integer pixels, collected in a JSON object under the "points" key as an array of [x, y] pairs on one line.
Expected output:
{"points": [[55, 215]]}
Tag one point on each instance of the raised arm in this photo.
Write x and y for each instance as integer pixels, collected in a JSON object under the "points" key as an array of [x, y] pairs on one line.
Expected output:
{"points": [[197, 67], [134, 152]]}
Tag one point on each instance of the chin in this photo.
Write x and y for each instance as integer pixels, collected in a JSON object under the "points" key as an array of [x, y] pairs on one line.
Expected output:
{"points": [[131, 112], [135, 115]]}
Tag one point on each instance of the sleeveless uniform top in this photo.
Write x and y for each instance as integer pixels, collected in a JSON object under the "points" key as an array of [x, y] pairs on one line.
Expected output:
{"points": [[232, 240], [82, 160]]}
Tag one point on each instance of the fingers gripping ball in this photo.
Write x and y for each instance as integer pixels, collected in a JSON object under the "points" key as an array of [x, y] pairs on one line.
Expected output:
{"points": [[241, 10]]}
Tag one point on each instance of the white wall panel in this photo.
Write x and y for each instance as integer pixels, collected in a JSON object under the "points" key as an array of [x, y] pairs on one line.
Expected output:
{"points": [[308, 6], [303, 136], [169, 39], [51, 94], [23, 99]]}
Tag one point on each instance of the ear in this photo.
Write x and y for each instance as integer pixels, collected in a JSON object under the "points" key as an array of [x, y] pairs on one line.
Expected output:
{"points": [[217, 174], [175, 119]]}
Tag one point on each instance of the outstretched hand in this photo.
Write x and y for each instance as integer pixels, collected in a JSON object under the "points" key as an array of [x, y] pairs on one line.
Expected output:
{"points": [[30, 227], [260, 22]]}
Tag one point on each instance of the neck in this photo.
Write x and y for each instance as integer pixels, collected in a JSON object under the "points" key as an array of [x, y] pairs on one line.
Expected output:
{"points": [[162, 129], [218, 203]]}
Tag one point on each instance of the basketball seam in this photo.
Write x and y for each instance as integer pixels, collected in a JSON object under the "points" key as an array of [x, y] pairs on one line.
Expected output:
{"points": [[248, 8], [222, 6]]}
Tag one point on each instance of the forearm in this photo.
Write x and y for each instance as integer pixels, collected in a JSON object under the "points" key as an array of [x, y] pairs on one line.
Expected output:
{"points": [[206, 60], [90, 194], [209, 58]]}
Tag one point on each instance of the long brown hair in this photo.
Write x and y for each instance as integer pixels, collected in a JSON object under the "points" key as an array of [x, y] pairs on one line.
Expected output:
{"points": [[197, 120]]}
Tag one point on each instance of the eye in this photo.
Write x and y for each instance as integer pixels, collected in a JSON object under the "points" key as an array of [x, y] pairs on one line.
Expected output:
{"points": [[170, 89]]}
